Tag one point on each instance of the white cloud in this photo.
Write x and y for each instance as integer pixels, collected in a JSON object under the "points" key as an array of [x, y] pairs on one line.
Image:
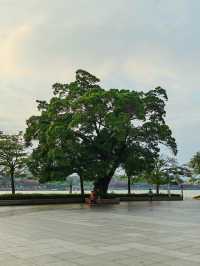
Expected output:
{"points": [[10, 51], [134, 44]]}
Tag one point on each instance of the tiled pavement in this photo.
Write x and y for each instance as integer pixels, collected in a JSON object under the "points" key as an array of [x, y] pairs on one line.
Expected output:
{"points": [[140, 233]]}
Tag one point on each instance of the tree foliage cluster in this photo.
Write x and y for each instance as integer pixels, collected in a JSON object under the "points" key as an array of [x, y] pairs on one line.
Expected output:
{"points": [[91, 131], [194, 164]]}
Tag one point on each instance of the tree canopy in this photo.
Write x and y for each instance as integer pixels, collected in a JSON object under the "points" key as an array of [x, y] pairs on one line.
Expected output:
{"points": [[92, 131]]}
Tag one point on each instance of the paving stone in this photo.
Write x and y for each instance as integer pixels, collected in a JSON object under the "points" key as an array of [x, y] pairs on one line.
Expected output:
{"points": [[134, 233]]}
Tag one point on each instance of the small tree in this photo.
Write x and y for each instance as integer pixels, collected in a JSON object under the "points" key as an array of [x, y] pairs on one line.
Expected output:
{"points": [[12, 156], [166, 171], [158, 175], [194, 164]]}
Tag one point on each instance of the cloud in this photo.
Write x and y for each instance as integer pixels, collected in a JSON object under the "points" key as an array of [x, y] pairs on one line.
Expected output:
{"points": [[10, 51], [134, 44]]}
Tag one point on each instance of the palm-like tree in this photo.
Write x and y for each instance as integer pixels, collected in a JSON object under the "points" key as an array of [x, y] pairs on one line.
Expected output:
{"points": [[195, 163], [166, 171]]}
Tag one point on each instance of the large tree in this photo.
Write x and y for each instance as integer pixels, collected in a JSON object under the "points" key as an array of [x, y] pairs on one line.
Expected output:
{"points": [[92, 131], [13, 156]]}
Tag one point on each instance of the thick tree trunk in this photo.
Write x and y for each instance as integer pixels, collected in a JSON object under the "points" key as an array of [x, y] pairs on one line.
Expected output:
{"points": [[82, 188], [102, 184], [157, 189], [12, 182], [129, 185], [70, 187]]}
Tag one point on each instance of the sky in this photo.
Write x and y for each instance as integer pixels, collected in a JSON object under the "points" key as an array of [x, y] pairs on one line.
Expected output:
{"points": [[131, 44]]}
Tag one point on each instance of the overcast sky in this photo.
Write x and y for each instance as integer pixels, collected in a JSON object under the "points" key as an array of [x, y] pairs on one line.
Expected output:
{"points": [[136, 44]]}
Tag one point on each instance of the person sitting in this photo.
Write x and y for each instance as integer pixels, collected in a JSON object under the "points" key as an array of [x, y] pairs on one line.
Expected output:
{"points": [[93, 197]]}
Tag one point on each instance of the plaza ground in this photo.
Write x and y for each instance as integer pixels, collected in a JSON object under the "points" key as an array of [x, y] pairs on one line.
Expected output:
{"points": [[135, 233]]}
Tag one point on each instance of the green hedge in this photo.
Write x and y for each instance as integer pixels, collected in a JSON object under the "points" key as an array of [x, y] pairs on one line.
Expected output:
{"points": [[39, 196], [76, 196], [121, 195]]}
